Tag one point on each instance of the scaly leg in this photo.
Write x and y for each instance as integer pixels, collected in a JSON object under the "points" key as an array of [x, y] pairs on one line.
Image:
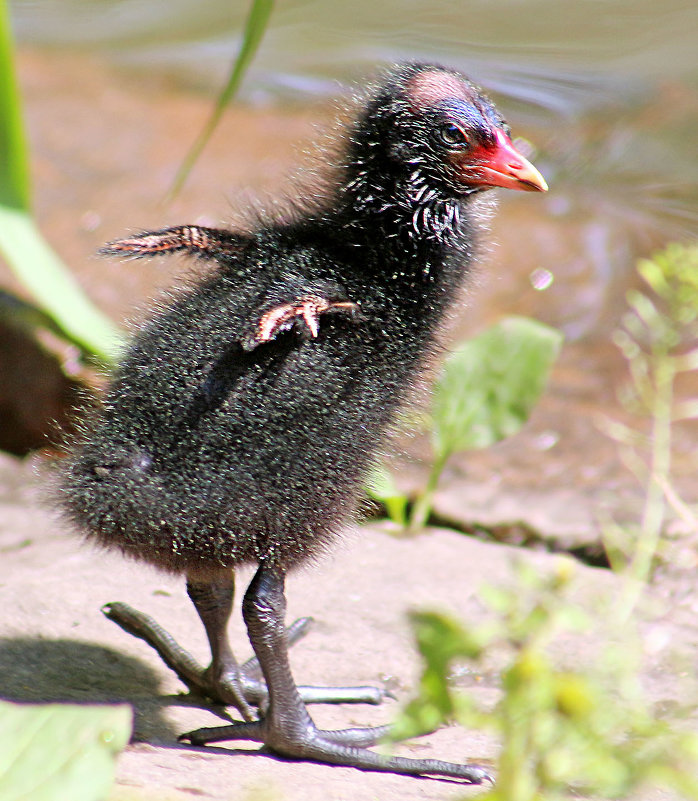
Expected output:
{"points": [[224, 681], [287, 727]]}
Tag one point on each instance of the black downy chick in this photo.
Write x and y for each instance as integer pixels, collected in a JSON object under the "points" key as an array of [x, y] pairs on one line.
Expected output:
{"points": [[245, 416]]}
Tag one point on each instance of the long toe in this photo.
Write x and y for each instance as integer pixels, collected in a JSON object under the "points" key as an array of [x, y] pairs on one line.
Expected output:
{"points": [[345, 747], [256, 691], [146, 628], [252, 731], [321, 749], [365, 694], [223, 690], [358, 738]]}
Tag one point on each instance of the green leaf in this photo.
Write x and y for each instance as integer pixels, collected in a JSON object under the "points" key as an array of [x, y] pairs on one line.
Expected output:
{"points": [[441, 640], [490, 384], [380, 486], [673, 275], [255, 27], [60, 752], [57, 292]]}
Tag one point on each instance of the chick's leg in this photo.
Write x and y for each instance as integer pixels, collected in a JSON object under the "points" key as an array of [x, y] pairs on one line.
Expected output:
{"points": [[225, 681], [222, 680], [287, 728]]}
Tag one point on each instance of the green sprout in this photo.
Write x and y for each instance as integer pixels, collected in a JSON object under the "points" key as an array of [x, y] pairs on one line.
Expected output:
{"points": [[485, 392]]}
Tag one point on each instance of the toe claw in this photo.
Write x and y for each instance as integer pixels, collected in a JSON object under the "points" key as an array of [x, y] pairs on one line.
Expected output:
{"points": [[477, 775], [307, 309]]}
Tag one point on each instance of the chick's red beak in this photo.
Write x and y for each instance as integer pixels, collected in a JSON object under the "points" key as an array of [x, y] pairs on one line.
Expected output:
{"points": [[501, 164]]}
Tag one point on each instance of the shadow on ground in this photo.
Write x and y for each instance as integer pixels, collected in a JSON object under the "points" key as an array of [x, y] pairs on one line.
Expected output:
{"points": [[66, 671]]}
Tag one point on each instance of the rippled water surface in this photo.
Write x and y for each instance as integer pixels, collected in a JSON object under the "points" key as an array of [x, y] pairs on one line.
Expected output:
{"points": [[607, 89], [560, 56]]}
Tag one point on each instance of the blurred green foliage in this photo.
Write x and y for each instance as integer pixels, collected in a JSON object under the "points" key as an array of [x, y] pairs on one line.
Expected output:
{"points": [[591, 730], [658, 337], [489, 385], [380, 485], [60, 752], [562, 733]]}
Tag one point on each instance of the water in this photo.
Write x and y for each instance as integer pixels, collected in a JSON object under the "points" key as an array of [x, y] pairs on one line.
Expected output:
{"points": [[607, 89], [563, 57]]}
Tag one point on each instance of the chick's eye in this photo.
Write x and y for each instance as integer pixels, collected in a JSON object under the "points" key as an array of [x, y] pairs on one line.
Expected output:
{"points": [[451, 135]]}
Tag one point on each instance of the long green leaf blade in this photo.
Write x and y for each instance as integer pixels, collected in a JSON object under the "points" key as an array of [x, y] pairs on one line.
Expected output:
{"points": [[255, 26], [14, 166], [21, 242]]}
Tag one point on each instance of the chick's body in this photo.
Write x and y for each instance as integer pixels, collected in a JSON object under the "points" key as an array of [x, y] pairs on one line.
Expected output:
{"points": [[208, 451]]}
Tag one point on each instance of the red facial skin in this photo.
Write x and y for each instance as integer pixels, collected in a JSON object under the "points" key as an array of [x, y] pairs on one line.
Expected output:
{"points": [[500, 164]]}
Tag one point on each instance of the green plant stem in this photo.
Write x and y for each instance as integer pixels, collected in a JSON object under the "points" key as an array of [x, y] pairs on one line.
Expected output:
{"points": [[423, 503], [654, 506]]}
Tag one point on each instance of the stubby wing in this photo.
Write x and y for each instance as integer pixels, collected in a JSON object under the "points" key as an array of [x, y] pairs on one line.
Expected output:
{"points": [[194, 239]]}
